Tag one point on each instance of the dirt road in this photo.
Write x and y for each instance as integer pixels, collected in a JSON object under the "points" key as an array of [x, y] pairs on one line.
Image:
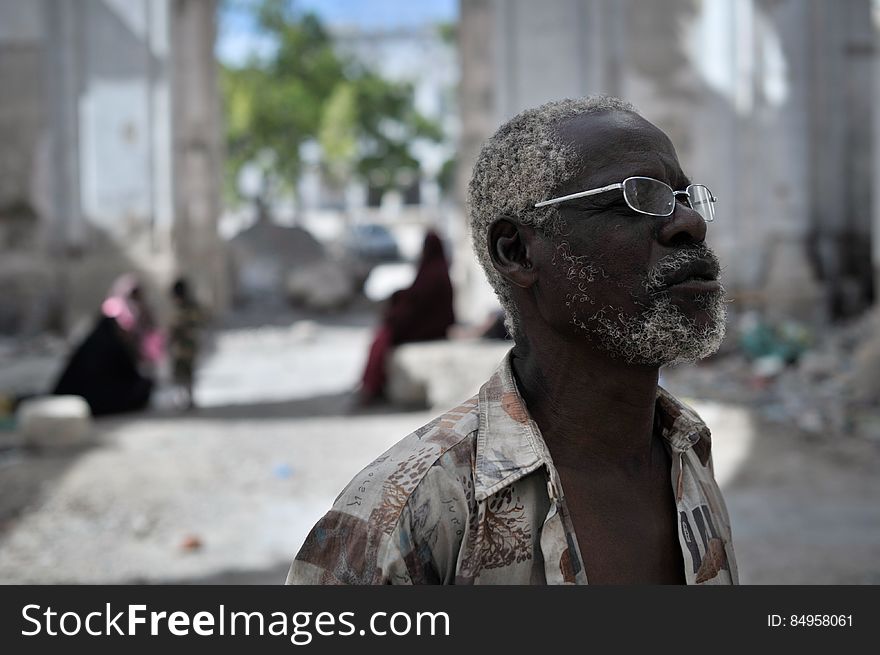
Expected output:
{"points": [[228, 493]]}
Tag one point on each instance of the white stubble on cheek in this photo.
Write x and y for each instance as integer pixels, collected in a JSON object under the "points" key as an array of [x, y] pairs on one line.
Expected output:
{"points": [[580, 272]]}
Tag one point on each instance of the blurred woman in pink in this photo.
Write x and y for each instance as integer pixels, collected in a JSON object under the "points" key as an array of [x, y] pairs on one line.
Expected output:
{"points": [[112, 369]]}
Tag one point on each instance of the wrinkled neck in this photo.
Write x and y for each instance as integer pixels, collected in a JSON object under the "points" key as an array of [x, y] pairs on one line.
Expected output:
{"points": [[587, 404]]}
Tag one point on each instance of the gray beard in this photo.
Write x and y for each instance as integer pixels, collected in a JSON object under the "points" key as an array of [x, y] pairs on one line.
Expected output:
{"points": [[660, 334]]}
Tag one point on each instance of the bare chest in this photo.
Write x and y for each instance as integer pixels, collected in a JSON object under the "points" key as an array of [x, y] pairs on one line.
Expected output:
{"points": [[626, 529]]}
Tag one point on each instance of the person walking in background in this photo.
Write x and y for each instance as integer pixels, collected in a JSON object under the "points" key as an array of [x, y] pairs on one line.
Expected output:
{"points": [[423, 312], [184, 340], [112, 369]]}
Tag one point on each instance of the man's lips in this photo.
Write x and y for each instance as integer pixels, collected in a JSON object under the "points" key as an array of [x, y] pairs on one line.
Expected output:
{"points": [[697, 275], [694, 285], [697, 270]]}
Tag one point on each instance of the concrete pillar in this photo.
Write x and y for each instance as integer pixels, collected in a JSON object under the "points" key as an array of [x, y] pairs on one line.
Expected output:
{"points": [[161, 148], [64, 78], [477, 92], [198, 137], [875, 186], [778, 164], [839, 104]]}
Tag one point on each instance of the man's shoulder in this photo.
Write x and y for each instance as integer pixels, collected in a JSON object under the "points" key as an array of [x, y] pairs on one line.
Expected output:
{"points": [[399, 471], [432, 465]]}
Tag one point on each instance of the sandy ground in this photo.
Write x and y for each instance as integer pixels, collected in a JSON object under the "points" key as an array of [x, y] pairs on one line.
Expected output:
{"points": [[227, 494]]}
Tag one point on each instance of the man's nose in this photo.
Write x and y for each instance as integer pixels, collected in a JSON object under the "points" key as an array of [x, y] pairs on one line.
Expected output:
{"points": [[684, 227]]}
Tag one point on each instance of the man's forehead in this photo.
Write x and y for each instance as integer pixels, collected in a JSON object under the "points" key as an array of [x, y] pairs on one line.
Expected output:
{"points": [[609, 138], [612, 127]]}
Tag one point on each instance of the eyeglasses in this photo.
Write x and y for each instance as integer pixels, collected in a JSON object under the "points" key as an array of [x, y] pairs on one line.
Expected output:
{"points": [[653, 197]]}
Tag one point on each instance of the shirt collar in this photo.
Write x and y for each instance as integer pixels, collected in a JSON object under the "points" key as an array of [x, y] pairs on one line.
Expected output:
{"points": [[680, 425], [510, 445]]}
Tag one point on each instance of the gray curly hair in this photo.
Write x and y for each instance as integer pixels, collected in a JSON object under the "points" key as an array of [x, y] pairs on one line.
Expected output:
{"points": [[519, 165]]}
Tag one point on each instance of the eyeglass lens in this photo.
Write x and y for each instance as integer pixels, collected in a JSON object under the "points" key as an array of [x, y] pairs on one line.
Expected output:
{"points": [[702, 201], [650, 196]]}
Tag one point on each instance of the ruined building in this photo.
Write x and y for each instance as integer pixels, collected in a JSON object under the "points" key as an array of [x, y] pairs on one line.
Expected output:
{"points": [[772, 103], [111, 154]]}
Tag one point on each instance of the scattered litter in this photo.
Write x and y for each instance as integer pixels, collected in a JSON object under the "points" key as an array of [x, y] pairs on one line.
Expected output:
{"points": [[7, 412], [191, 543], [762, 341], [819, 385], [283, 471], [768, 366], [141, 525]]}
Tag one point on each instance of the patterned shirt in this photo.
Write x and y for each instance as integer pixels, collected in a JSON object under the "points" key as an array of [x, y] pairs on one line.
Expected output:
{"points": [[473, 497], [184, 338]]}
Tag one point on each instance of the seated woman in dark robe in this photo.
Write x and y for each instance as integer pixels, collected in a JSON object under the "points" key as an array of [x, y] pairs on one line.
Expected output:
{"points": [[423, 312], [108, 368]]}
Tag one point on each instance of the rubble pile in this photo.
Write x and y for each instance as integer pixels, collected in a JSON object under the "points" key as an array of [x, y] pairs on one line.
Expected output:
{"points": [[825, 385]]}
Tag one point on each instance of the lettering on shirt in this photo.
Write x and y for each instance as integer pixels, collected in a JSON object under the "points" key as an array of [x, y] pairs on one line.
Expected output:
{"points": [[705, 528]]}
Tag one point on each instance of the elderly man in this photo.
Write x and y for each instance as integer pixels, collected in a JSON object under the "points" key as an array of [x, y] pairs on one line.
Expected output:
{"points": [[571, 465]]}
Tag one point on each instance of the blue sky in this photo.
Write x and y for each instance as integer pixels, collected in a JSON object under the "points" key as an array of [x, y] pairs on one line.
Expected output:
{"points": [[237, 36]]}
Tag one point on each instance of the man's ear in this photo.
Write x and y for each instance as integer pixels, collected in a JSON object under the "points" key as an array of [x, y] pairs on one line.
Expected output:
{"points": [[511, 246]]}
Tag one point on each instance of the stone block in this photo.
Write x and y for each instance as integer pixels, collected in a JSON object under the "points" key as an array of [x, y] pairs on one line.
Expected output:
{"points": [[49, 421], [442, 374]]}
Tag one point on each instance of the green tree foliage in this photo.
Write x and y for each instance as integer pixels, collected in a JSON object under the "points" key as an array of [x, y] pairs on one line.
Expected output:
{"points": [[338, 134], [305, 90]]}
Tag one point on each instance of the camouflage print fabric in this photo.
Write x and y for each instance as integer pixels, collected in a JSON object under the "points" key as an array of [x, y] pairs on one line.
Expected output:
{"points": [[474, 498], [184, 340]]}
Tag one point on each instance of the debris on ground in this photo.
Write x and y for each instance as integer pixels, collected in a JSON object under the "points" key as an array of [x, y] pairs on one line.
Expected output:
{"points": [[283, 471], [191, 543], [828, 385]]}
